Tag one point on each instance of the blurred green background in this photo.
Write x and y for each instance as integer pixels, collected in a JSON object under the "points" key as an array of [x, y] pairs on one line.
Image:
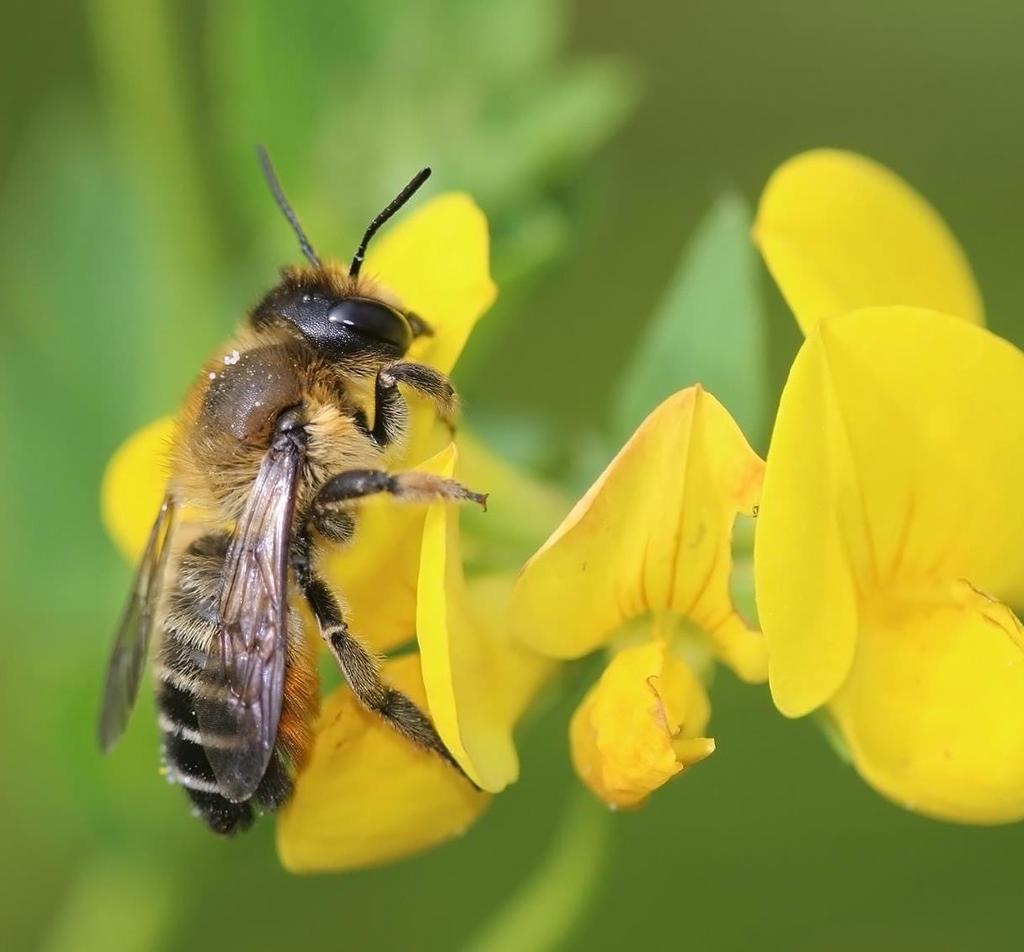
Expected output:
{"points": [[134, 229]]}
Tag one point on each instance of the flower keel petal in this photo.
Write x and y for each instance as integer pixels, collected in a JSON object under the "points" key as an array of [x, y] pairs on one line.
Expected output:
{"points": [[640, 725]]}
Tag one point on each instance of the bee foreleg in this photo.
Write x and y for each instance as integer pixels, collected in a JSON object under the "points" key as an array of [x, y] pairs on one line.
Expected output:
{"points": [[411, 486], [391, 412], [361, 667]]}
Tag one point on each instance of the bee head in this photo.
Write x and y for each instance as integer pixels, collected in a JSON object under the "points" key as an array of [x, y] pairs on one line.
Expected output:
{"points": [[340, 326], [328, 309]]}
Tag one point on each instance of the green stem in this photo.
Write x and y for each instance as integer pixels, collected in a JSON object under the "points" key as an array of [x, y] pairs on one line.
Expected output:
{"points": [[545, 909]]}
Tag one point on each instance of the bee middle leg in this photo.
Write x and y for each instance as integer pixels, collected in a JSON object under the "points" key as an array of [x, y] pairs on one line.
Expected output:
{"points": [[391, 412], [412, 486], [361, 667]]}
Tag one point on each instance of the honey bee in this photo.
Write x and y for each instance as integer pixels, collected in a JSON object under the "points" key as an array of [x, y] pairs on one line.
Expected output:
{"points": [[275, 448]]}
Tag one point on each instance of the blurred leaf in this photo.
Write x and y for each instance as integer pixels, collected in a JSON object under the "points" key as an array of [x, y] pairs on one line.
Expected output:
{"points": [[76, 376], [154, 148], [708, 329], [525, 441], [64, 212], [479, 96]]}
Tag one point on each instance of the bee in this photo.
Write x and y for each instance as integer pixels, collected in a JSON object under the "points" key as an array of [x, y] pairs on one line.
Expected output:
{"points": [[274, 448]]}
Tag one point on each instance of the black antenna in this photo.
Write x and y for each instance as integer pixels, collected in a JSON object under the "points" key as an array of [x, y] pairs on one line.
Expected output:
{"points": [[282, 203], [403, 196]]}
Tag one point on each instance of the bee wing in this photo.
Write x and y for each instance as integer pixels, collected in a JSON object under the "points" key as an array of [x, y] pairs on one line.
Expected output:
{"points": [[131, 642], [239, 701]]}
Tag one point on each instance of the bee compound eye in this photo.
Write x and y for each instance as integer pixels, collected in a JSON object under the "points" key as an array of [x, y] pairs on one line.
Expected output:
{"points": [[372, 320]]}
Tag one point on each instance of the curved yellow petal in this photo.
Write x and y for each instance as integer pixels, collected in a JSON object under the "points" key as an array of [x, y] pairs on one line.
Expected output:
{"points": [[931, 712], [896, 461], [640, 725], [652, 534], [805, 585], [367, 796], [839, 232], [437, 260], [477, 679], [134, 485]]}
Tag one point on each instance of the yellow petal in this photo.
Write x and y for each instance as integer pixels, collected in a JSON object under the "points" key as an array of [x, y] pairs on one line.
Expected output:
{"points": [[897, 460], [134, 485], [438, 262], [840, 232], [640, 725], [367, 796], [477, 679], [932, 713], [652, 534]]}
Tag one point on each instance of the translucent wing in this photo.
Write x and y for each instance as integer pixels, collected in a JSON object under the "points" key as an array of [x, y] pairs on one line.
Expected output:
{"points": [[239, 698], [131, 643]]}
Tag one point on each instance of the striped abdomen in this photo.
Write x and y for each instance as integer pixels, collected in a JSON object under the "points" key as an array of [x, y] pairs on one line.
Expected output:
{"points": [[187, 627]]}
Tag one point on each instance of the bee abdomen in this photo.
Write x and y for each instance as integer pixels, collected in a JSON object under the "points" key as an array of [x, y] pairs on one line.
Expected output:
{"points": [[185, 762], [188, 627]]}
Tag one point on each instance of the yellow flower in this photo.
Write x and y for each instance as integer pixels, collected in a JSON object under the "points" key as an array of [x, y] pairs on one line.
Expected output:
{"points": [[367, 796], [650, 540], [890, 526]]}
